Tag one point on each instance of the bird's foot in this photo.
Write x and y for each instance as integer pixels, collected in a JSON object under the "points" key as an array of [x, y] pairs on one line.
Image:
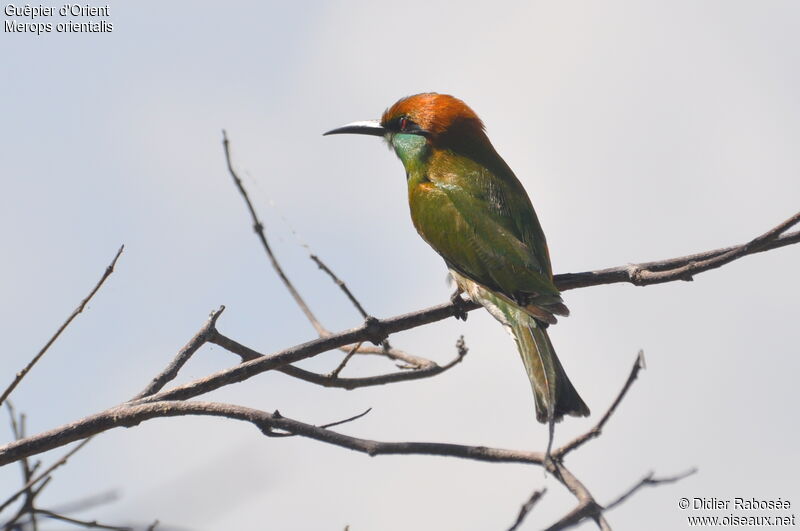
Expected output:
{"points": [[460, 311]]}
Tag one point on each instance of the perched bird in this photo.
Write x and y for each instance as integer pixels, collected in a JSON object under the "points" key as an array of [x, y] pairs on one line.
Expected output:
{"points": [[470, 207]]}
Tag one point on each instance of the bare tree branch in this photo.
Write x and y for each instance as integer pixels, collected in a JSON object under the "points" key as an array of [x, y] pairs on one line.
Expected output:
{"points": [[585, 509], [587, 506], [648, 481], [93, 524], [329, 425], [526, 508], [45, 474], [87, 502], [133, 413], [638, 365], [21, 374], [339, 282], [590, 509], [171, 371], [18, 430], [26, 508], [335, 372], [684, 267], [422, 368]]}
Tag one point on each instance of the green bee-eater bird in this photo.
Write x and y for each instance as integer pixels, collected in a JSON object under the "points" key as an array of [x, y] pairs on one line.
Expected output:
{"points": [[469, 206]]}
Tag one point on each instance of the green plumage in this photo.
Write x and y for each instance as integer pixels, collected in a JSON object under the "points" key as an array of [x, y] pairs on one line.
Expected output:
{"points": [[475, 213]]}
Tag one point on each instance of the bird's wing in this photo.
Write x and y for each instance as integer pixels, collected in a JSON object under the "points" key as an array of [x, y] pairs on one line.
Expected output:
{"points": [[493, 235]]}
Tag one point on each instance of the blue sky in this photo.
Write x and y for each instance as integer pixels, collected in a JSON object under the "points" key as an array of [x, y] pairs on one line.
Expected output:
{"points": [[642, 130]]}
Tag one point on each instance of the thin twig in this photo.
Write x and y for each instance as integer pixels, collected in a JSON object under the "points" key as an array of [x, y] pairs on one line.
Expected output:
{"points": [[27, 473], [90, 524], [258, 227], [648, 481], [18, 430], [45, 474], [25, 508], [334, 374], [21, 374], [325, 380], [526, 508], [330, 424], [339, 282], [638, 365], [86, 503]]}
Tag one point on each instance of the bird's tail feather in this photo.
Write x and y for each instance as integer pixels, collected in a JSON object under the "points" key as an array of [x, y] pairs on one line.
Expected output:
{"points": [[553, 393]]}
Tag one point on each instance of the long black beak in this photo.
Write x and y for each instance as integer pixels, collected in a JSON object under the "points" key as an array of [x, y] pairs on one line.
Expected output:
{"points": [[368, 127]]}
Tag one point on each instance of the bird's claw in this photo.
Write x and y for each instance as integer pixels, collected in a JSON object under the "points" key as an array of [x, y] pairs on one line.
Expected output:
{"points": [[460, 311]]}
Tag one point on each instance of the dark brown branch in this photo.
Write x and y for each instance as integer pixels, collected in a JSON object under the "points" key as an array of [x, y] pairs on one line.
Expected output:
{"points": [[258, 227], [684, 267], [526, 508], [638, 365], [21, 374]]}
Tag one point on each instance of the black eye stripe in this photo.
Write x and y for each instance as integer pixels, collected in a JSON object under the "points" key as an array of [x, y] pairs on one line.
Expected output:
{"points": [[405, 124]]}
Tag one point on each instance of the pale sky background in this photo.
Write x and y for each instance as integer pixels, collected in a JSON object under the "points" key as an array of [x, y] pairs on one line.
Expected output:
{"points": [[642, 130]]}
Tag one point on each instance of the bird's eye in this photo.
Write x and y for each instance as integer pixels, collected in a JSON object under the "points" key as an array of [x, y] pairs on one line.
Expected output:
{"points": [[403, 123]]}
